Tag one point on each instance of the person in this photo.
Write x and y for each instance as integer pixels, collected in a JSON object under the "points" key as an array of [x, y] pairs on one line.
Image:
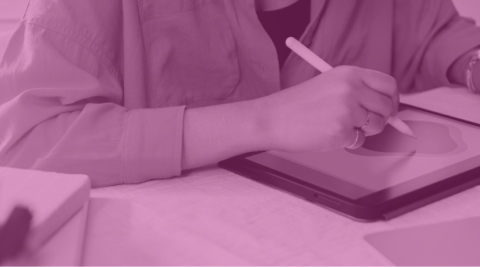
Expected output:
{"points": [[132, 90]]}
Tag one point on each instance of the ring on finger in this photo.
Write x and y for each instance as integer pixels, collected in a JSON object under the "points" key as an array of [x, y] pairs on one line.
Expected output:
{"points": [[366, 122], [359, 139]]}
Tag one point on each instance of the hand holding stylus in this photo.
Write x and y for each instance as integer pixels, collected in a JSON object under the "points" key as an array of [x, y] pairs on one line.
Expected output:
{"points": [[326, 111], [322, 66]]}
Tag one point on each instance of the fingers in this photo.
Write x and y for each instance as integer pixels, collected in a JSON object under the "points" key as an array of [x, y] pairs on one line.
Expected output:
{"points": [[383, 84], [379, 81], [377, 103], [373, 124]]}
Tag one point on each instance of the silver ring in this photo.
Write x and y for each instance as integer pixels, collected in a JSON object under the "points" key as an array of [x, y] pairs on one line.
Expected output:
{"points": [[359, 139], [354, 142], [367, 122]]}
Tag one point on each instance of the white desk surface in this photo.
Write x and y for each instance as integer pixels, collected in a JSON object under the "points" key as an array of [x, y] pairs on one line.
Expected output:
{"points": [[214, 217]]}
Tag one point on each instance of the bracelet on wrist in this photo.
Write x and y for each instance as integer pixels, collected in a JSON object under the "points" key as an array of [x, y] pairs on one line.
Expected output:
{"points": [[469, 73]]}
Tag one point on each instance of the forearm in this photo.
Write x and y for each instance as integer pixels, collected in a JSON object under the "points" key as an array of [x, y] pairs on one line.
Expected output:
{"points": [[215, 133]]}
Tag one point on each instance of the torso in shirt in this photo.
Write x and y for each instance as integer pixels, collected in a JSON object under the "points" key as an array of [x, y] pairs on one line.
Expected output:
{"points": [[203, 52], [288, 21]]}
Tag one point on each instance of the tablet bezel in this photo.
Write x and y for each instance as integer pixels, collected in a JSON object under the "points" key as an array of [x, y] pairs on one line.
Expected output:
{"points": [[374, 206], [379, 205]]}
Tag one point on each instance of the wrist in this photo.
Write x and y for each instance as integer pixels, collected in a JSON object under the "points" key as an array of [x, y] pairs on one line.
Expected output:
{"points": [[262, 121], [215, 133]]}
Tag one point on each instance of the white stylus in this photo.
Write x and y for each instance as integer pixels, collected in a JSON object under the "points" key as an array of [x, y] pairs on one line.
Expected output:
{"points": [[323, 66]]}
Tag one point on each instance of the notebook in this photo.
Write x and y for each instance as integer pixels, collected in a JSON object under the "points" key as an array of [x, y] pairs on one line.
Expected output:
{"points": [[458, 103], [55, 200]]}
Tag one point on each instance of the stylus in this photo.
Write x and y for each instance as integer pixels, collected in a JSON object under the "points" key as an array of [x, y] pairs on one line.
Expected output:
{"points": [[323, 66]]}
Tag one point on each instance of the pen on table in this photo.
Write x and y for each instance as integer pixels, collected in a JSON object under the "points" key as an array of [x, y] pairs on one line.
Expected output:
{"points": [[323, 66]]}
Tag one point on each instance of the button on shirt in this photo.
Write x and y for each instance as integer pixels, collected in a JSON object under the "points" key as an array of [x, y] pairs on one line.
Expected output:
{"points": [[100, 87]]}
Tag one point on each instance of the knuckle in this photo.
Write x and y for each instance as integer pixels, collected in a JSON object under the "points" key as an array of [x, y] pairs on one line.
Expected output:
{"points": [[347, 92], [346, 70], [342, 68], [390, 82]]}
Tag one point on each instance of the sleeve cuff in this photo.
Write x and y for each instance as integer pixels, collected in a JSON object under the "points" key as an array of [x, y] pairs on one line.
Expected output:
{"points": [[462, 37], [153, 144]]}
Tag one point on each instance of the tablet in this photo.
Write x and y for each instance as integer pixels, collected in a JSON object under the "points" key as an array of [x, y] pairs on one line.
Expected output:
{"points": [[389, 175]]}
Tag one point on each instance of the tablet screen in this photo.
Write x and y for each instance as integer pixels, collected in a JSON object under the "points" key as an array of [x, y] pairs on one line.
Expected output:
{"points": [[387, 159]]}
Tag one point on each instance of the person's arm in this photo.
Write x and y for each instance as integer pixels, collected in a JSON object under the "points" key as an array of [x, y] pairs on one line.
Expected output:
{"points": [[57, 116], [61, 110], [215, 133], [431, 39], [457, 72]]}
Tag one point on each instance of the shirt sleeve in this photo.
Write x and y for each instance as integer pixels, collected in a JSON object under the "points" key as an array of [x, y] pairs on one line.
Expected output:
{"points": [[429, 36], [61, 110]]}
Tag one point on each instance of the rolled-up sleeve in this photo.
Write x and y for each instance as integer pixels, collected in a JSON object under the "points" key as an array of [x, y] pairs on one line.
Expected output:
{"points": [[429, 36], [61, 110]]}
